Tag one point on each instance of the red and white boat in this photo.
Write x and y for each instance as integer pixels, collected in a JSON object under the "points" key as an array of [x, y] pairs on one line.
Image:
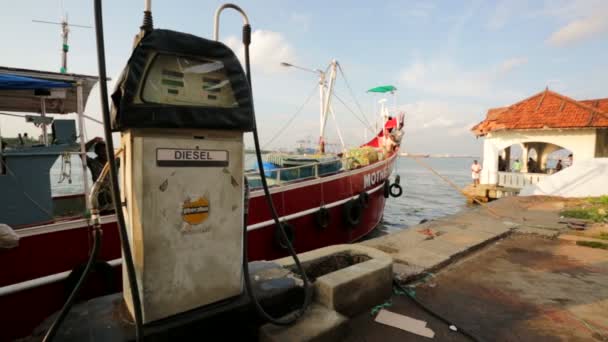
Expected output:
{"points": [[323, 204]]}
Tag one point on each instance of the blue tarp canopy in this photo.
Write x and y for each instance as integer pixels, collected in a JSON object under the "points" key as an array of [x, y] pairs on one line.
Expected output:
{"points": [[14, 82]]}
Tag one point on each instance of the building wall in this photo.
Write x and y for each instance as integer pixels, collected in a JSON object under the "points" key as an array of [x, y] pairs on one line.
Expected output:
{"points": [[601, 143], [582, 143]]}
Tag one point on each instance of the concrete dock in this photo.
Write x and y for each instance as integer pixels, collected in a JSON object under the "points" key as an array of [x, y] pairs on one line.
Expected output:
{"points": [[433, 244], [508, 273], [510, 270]]}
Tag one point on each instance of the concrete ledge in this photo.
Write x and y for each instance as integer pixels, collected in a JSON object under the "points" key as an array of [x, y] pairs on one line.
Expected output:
{"points": [[355, 288], [319, 324]]}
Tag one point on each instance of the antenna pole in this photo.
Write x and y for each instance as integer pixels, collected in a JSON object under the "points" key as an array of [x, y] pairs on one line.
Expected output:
{"points": [[65, 31]]}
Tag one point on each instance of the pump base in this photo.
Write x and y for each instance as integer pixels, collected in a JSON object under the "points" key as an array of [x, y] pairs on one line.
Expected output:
{"points": [[107, 319]]}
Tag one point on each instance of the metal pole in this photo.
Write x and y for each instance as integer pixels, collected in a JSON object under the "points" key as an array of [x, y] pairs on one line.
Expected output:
{"points": [[330, 89], [45, 139], [83, 151], [322, 101], [64, 56], [216, 18]]}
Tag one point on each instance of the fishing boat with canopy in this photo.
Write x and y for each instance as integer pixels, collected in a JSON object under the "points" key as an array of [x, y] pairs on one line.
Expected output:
{"points": [[321, 198]]}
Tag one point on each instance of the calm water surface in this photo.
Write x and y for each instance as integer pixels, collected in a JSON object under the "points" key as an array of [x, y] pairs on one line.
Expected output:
{"points": [[425, 195]]}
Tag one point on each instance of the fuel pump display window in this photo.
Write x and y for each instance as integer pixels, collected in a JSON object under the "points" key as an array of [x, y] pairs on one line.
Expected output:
{"points": [[176, 80]]}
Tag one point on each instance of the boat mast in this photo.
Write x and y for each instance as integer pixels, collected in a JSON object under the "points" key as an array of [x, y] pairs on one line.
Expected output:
{"points": [[326, 103], [65, 31]]}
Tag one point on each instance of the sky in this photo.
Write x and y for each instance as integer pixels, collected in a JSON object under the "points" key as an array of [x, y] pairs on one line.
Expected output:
{"points": [[450, 60]]}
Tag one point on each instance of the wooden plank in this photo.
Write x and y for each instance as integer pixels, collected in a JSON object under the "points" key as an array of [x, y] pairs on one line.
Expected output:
{"points": [[405, 323]]}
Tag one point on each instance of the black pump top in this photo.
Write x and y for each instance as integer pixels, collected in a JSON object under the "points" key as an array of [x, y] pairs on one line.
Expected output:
{"points": [[177, 80]]}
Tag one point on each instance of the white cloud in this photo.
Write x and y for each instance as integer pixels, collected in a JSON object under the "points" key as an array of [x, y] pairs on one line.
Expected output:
{"points": [[511, 64], [584, 19], [438, 122], [433, 126], [462, 130], [578, 30], [444, 77], [268, 50]]}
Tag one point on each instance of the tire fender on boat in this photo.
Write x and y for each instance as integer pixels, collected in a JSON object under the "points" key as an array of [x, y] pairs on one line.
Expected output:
{"points": [[395, 190], [364, 199], [322, 217], [352, 211], [289, 231]]}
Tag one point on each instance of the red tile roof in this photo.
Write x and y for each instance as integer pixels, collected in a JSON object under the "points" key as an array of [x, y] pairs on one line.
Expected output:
{"points": [[546, 109]]}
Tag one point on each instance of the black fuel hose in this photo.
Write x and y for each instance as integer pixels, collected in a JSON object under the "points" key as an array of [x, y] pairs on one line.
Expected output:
{"points": [[435, 314], [50, 334], [124, 239], [290, 318]]}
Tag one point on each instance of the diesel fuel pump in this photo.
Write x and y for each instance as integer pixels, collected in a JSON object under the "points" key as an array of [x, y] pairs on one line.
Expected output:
{"points": [[181, 105]]}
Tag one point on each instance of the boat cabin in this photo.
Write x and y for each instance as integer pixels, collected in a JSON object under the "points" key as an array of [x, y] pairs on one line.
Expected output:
{"points": [[25, 163]]}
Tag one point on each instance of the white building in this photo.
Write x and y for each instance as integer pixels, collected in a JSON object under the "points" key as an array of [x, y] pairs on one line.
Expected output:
{"points": [[538, 126]]}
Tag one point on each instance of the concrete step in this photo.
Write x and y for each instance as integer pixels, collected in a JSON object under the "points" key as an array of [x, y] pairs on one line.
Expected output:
{"points": [[319, 324]]}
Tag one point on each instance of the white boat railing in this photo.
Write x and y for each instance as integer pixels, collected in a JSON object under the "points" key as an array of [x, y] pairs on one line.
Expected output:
{"points": [[519, 179], [296, 173]]}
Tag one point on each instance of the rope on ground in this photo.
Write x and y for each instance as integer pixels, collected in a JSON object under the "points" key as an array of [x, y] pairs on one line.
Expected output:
{"points": [[452, 326]]}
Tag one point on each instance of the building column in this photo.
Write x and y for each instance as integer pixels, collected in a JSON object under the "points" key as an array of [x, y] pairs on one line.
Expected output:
{"points": [[489, 172], [541, 157], [524, 157]]}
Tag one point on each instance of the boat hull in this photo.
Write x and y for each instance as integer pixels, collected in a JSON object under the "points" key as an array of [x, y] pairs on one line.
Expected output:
{"points": [[34, 282]]}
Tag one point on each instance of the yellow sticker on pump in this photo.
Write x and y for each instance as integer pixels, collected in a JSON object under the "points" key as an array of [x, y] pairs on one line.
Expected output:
{"points": [[195, 211]]}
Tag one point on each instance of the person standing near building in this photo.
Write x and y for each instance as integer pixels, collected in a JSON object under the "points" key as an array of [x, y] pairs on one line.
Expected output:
{"points": [[475, 172], [568, 161], [516, 166]]}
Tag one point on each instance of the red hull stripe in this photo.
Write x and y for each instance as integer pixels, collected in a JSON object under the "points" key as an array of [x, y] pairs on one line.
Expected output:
{"points": [[308, 211]]}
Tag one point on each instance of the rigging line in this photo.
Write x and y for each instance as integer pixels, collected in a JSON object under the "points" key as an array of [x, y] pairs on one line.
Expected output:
{"points": [[366, 125], [293, 116], [352, 94], [15, 115]]}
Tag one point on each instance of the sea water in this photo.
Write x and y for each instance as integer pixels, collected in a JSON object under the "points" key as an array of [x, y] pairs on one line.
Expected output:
{"points": [[425, 195]]}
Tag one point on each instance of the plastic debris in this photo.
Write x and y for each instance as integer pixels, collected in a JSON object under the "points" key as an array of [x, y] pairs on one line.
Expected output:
{"points": [[8, 237], [453, 328], [405, 323]]}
